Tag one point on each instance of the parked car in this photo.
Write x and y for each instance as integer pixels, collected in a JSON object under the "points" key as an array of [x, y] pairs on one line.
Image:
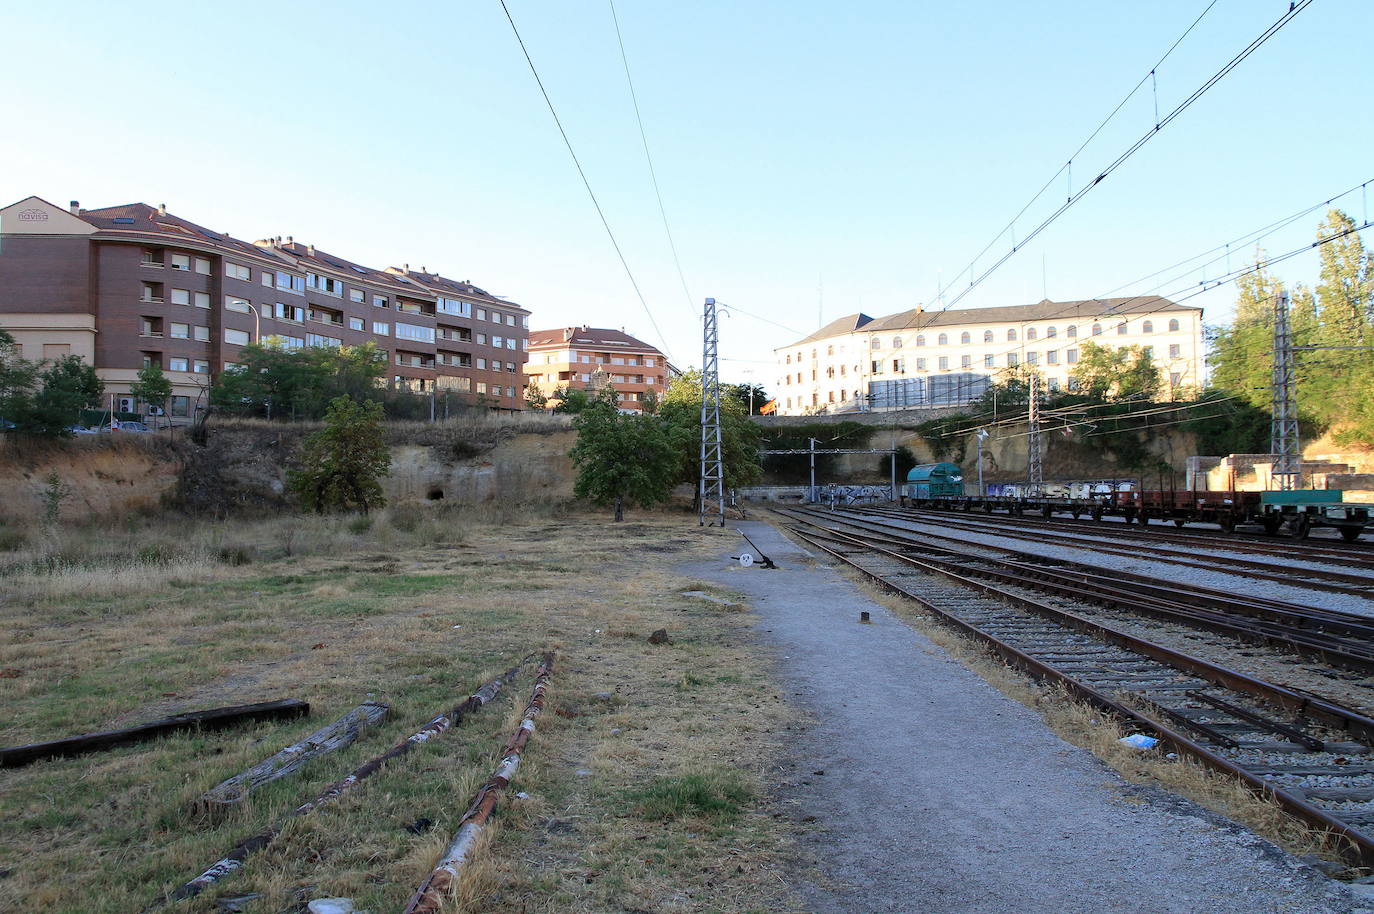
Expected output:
{"points": [[132, 426], [82, 430], [5, 424]]}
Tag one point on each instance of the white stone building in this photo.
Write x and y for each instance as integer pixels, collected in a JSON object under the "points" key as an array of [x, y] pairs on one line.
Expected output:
{"points": [[939, 358]]}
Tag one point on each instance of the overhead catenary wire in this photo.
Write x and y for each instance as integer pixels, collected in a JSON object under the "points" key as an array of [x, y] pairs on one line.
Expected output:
{"points": [[585, 182], [653, 173], [1296, 7]]}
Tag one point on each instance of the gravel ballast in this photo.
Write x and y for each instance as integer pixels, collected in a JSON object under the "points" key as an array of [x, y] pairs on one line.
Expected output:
{"points": [[932, 791]]}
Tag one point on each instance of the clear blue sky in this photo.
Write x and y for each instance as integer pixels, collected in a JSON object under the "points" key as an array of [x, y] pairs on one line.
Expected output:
{"points": [[866, 149]]}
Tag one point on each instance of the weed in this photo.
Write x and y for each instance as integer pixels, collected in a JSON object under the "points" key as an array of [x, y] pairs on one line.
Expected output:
{"points": [[360, 524], [716, 794], [54, 494]]}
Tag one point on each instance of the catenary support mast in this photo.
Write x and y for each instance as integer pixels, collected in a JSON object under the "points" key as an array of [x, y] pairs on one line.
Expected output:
{"points": [[711, 495], [1035, 471], [1283, 430]]}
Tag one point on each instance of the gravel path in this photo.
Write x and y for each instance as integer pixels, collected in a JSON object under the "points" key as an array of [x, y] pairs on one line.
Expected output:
{"points": [[933, 792]]}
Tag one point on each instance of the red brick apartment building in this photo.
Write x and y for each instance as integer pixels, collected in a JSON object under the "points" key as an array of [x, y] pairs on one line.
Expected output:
{"points": [[130, 285], [592, 357]]}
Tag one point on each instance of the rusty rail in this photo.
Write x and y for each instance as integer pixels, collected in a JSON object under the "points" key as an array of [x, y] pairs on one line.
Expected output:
{"points": [[1357, 846], [429, 896]]}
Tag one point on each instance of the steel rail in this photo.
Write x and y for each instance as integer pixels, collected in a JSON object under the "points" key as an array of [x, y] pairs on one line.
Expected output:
{"points": [[1268, 571], [1358, 846], [1300, 616]]}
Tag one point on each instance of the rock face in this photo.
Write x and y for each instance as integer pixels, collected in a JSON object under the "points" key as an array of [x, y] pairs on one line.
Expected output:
{"points": [[245, 469]]}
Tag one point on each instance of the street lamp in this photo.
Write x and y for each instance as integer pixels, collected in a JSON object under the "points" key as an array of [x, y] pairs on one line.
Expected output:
{"points": [[257, 322]]}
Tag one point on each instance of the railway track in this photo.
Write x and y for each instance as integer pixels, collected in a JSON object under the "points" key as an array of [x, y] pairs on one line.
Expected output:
{"points": [[1357, 554], [1312, 756], [1280, 570], [1334, 638]]}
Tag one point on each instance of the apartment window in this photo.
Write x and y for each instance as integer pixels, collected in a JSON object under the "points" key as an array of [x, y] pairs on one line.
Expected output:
{"points": [[293, 313], [152, 291], [1149, 352], [966, 361], [181, 262], [179, 331], [1173, 325], [203, 266], [898, 366], [290, 282], [1097, 329], [237, 271], [231, 303], [1030, 333], [989, 361], [181, 297], [357, 295], [482, 341], [1054, 384], [1121, 329], [510, 342], [381, 328], [152, 257], [510, 366], [414, 332], [481, 387], [1013, 360], [286, 342], [176, 364], [356, 323], [1175, 378], [496, 341], [1071, 356], [481, 314], [152, 358], [510, 392], [150, 326], [944, 363], [964, 338], [1032, 358], [482, 364], [920, 340], [202, 333], [987, 336], [875, 343], [268, 278], [200, 366], [1052, 357], [789, 359], [201, 299], [943, 339], [1174, 350], [454, 306], [875, 368], [327, 342], [1072, 332], [1147, 327], [896, 343]]}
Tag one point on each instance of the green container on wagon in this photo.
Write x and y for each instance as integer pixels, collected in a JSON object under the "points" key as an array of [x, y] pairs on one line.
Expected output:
{"points": [[1302, 497], [935, 480]]}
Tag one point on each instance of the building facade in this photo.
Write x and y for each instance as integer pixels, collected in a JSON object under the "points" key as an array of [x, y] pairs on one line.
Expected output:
{"points": [[128, 286], [946, 358], [589, 358]]}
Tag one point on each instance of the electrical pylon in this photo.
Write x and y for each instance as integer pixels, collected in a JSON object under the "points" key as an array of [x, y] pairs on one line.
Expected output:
{"points": [[712, 490], [1035, 471], [1283, 429]]}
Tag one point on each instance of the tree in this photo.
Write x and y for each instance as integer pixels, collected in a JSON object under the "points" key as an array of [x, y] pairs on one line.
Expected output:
{"points": [[534, 396], [69, 385], [750, 397], [18, 379], [275, 382], [622, 457], [343, 463], [152, 386], [1120, 372], [571, 400], [680, 409]]}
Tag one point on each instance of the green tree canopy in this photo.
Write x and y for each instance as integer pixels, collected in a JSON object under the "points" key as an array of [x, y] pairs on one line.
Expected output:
{"points": [[299, 384], [342, 465], [622, 457], [680, 409], [534, 396], [18, 379], [152, 386], [1116, 372]]}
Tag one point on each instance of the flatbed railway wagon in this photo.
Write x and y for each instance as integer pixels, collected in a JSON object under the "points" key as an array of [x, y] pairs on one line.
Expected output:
{"points": [[940, 486]]}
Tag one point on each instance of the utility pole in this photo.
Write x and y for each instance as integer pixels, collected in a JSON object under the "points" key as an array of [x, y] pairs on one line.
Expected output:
{"points": [[982, 436], [712, 464], [1035, 481], [1283, 430], [811, 443]]}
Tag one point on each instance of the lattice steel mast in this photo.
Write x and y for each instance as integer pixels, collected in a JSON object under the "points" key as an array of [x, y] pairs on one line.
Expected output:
{"points": [[1035, 471], [1283, 430], [712, 489]]}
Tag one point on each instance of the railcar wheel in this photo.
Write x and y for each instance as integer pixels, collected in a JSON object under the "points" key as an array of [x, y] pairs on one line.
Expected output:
{"points": [[1097, 513], [1180, 521], [1302, 526], [1350, 534], [1271, 525]]}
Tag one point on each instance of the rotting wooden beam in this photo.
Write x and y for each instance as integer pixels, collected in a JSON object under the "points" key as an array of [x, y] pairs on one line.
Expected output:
{"points": [[430, 895], [213, 718], [337, 735], [234, 860]]}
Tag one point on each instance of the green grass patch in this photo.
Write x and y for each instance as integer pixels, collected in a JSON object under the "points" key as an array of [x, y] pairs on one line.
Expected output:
{"points": [[713, 795]]}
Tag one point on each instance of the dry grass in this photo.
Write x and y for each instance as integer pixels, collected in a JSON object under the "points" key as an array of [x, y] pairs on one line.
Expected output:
{"points": [[1085, 726], [415, 609]]}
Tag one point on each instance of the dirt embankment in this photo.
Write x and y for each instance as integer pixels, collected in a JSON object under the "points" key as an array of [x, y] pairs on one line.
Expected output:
{"points": [[245, 468]]}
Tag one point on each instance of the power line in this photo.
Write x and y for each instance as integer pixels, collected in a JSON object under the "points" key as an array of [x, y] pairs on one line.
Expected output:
{"points": [[585, 183], [653, 175], [1293, 10]]}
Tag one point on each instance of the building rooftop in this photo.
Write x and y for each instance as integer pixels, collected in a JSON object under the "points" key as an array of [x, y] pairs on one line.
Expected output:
{"points": [[597, 337], [919, 319]]}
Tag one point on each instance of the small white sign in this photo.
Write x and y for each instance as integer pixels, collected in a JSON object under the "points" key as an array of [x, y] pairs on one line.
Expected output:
{"points": [[746, 559]]}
